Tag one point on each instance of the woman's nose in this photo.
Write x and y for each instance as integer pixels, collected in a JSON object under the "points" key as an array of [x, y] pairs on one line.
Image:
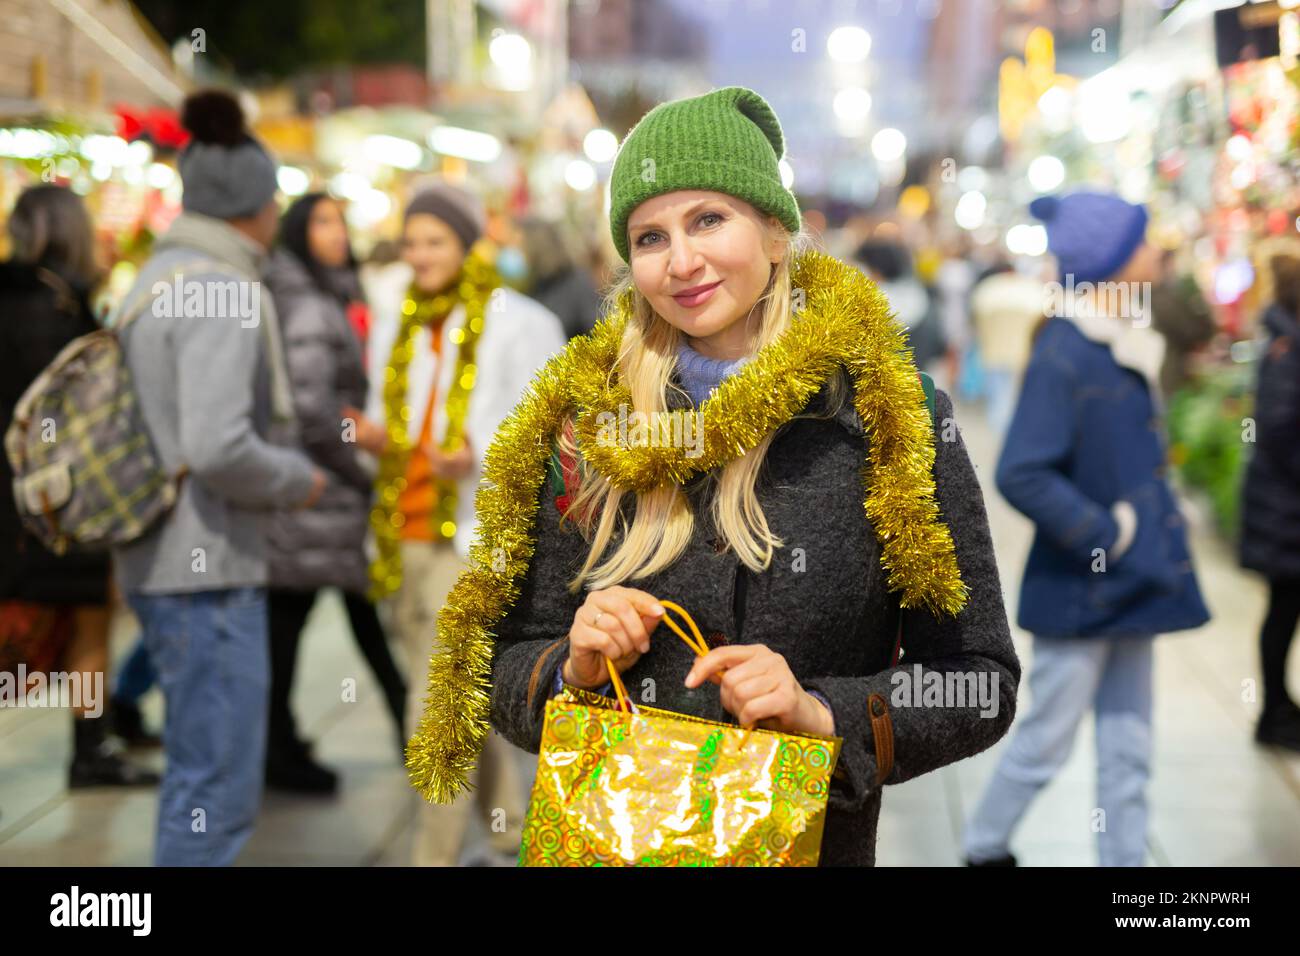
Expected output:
{"points": [[684, 260]]}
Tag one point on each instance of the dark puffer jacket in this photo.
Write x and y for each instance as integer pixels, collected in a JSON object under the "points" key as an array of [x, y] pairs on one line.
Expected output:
{"points": [[1270, 525], [824, 607], [40, 313], [321, 546]]}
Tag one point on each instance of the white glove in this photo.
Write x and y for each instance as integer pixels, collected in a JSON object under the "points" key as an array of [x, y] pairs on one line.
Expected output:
{"points": [[1126, 517]]}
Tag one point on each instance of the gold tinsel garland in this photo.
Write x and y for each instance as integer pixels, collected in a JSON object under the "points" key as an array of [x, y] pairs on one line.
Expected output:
{"points": [[474, 286], [845, 322]]}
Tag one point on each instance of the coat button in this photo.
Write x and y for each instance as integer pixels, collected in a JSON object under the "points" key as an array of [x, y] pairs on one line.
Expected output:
{"points": [[719, 545]]}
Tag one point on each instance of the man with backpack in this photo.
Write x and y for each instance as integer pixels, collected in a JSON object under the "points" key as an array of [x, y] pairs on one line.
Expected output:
{"points": [[206, 363]]}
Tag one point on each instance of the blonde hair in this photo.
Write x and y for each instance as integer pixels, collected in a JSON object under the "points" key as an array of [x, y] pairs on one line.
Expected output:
{"points": [[663, 522]]}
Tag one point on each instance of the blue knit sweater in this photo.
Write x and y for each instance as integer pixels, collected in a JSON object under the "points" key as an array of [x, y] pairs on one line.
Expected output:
{"points": [[700, 374]]}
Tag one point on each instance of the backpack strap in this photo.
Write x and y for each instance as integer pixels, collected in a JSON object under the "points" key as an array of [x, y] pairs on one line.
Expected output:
{"points": [[132, 309]]}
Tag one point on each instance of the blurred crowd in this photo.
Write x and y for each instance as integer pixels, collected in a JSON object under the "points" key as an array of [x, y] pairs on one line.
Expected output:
{"points": [[282, 508]]}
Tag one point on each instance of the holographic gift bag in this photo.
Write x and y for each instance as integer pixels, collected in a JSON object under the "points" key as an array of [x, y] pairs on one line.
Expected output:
{"points": [[624, 786]]}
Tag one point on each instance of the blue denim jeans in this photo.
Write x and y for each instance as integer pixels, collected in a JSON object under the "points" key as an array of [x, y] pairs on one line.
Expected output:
{"points": [[1069, 675], [1000, 392], [210, 652]]}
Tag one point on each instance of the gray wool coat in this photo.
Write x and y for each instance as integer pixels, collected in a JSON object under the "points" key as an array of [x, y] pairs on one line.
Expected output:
{"points": [[324, 545], [825, 608]]}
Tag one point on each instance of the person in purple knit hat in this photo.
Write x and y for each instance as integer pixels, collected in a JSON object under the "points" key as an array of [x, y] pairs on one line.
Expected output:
{"points": [[1084, 460]]}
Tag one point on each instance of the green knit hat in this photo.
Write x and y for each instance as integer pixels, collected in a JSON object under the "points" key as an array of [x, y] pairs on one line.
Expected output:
{"points": [[726, 141]]}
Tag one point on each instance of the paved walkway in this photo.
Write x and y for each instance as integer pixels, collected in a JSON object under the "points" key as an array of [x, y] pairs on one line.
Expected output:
{"points": [[1216, 798]]}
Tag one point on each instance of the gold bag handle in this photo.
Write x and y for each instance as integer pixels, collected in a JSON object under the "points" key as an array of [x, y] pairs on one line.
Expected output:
{"points": [[695, 643]]}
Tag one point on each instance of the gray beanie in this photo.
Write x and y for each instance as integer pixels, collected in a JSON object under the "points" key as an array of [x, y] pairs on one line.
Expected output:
{"points": [[226, 173], [460, 210]]}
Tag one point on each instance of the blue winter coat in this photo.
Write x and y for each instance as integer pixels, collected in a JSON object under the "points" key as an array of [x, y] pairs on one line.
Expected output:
{"points": [[1085, 436]]}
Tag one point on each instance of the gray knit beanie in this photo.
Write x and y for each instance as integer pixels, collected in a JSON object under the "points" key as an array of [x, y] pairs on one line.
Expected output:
{"points": [[460, 210], [226, 173]]}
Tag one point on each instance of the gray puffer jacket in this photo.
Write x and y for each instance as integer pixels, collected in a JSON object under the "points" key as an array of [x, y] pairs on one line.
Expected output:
{"points": [[325, 545], [822, 604]]}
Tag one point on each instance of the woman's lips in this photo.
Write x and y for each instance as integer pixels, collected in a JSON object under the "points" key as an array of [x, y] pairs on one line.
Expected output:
{"points": [[697, 296]]}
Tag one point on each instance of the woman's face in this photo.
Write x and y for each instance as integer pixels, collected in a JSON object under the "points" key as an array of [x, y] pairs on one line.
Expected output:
{"points": [[433, 250], [327, 234], [702, 259]]}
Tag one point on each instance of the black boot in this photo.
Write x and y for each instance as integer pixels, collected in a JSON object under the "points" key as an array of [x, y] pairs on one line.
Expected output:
{"points": [[1280, 727], [128, 723], [1007, 860], [291, 767], [97, 760]]}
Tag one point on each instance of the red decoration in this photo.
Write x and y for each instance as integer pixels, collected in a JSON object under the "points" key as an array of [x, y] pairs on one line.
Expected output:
{"points": [[359, 318], [159, 125]]}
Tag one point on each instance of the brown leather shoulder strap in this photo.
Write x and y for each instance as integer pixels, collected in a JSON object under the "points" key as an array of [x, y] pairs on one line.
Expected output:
{"points": [[882, 730], [537, 668]]}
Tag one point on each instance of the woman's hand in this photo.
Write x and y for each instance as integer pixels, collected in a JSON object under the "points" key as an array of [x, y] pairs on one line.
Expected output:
{"points": [[615, 623], [370, 435], [318, 483], [759, 689], [455, 465]]}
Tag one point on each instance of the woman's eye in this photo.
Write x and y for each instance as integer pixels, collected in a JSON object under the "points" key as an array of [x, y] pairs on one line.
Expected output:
{"points": [[645, 237], [710, 219]]}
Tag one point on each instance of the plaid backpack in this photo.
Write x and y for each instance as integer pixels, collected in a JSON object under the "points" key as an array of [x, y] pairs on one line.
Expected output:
{"points": [[86, 476]]}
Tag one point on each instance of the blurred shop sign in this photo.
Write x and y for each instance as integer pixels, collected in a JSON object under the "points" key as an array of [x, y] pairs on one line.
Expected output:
{"points": [[1248, 32]]}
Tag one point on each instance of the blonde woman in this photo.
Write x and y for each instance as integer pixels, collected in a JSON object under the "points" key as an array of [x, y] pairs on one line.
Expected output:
{"points": [[792, 530]]}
